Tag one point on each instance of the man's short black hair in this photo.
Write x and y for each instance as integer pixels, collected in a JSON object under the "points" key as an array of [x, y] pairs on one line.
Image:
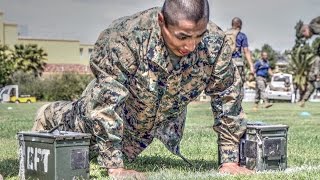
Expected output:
{"points": [[236, 22], [193, 10]]}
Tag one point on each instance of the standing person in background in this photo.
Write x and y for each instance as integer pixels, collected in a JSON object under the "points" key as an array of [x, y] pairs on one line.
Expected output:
{"points": [[241, 44], [263, 70]]}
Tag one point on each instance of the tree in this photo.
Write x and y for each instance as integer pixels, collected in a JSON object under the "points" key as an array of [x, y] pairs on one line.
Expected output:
{"points": [[6, 64], [25, 58], [301, 58], [256, 54], [30, 58]]}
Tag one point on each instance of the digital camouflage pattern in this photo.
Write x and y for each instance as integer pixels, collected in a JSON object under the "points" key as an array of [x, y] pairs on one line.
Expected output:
{"points": [[261, 84], [314, 73], [231, 36], [139, 92], [241, 70], [313, 77], [315, 25]]}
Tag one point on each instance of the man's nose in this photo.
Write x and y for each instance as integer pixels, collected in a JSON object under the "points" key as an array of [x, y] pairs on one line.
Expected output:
{"points": [[191, 45]]}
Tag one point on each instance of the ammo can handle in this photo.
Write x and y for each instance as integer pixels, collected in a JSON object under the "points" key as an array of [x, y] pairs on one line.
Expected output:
{"points": [[55, 127]]}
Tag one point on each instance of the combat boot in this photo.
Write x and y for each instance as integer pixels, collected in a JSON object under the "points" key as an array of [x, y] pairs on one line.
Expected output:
{"points": [[267, 105], [302, 103]]}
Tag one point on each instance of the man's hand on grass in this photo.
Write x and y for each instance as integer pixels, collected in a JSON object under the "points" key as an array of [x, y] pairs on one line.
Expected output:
{"points": [[234, 169], [122, 173]]}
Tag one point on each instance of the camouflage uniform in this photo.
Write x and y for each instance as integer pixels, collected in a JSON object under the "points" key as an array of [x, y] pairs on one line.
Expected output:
{"points": [[313, 76], [139, 92], [315, 25], [261, 84]]}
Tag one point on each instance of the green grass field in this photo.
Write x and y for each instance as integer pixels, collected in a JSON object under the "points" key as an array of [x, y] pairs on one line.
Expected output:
{"points": [[198, 145]]}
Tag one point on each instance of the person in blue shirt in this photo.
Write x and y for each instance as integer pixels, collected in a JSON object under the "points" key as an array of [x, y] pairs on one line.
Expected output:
{"points": [[262, 71], [241, 46]]}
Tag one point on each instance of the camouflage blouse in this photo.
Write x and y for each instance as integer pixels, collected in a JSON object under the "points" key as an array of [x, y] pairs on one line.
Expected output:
{"points": [[139, 93]]}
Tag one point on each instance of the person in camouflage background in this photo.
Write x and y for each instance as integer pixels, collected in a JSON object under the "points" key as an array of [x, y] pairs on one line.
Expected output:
{"points": [[313, 79], [148, 67], [307, 31]]}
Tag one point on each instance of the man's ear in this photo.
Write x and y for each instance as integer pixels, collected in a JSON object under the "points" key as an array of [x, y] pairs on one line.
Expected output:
{"points": [[160, 19]]}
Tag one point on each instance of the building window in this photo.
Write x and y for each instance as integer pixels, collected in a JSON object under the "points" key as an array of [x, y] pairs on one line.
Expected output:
{"points": [[90, 51], [81, 52]]}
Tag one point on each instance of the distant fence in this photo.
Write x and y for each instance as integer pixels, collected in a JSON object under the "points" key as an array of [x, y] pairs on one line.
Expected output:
{"points": [[66, 68]]}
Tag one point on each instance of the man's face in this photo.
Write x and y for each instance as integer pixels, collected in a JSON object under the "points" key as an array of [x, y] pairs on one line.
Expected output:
{"points": [[305, 30], [184, 37], [264, 55]]}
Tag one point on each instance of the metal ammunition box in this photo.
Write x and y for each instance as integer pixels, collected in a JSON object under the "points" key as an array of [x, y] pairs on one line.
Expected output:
{"points": [[57, 155], [264, 147]]}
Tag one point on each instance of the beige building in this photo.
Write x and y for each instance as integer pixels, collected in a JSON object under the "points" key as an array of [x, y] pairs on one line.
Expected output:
{"points": [[60, 52]]}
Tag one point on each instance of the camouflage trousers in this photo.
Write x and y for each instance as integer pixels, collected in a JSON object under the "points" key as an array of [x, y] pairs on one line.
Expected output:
{"points": [[242, 73], [310, 89], [243, 79], [111, 151], [261, 84], [239, 62]]}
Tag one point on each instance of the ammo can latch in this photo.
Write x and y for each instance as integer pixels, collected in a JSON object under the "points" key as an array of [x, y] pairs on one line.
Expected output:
{"points": [[273, 148]]}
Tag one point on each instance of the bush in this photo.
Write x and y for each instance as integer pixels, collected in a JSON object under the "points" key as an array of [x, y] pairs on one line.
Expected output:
{"points": [[28, 84], [65, 87], [68, 86], [6, 64]]}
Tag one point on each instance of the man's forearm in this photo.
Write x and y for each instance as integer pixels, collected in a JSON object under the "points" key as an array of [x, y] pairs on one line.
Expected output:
{"points": [[270, 72], [249, 59]]}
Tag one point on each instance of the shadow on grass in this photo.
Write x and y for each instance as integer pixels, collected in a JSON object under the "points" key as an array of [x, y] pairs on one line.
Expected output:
{"points": [[9, 168], [156, 163]]}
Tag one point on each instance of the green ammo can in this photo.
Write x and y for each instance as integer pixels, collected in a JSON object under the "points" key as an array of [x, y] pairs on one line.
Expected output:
{"points": [[264, 147], [57, 155]]}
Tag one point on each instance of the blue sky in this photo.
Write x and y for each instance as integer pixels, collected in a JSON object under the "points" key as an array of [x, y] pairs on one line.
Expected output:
{"points": [[265, 21]]}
